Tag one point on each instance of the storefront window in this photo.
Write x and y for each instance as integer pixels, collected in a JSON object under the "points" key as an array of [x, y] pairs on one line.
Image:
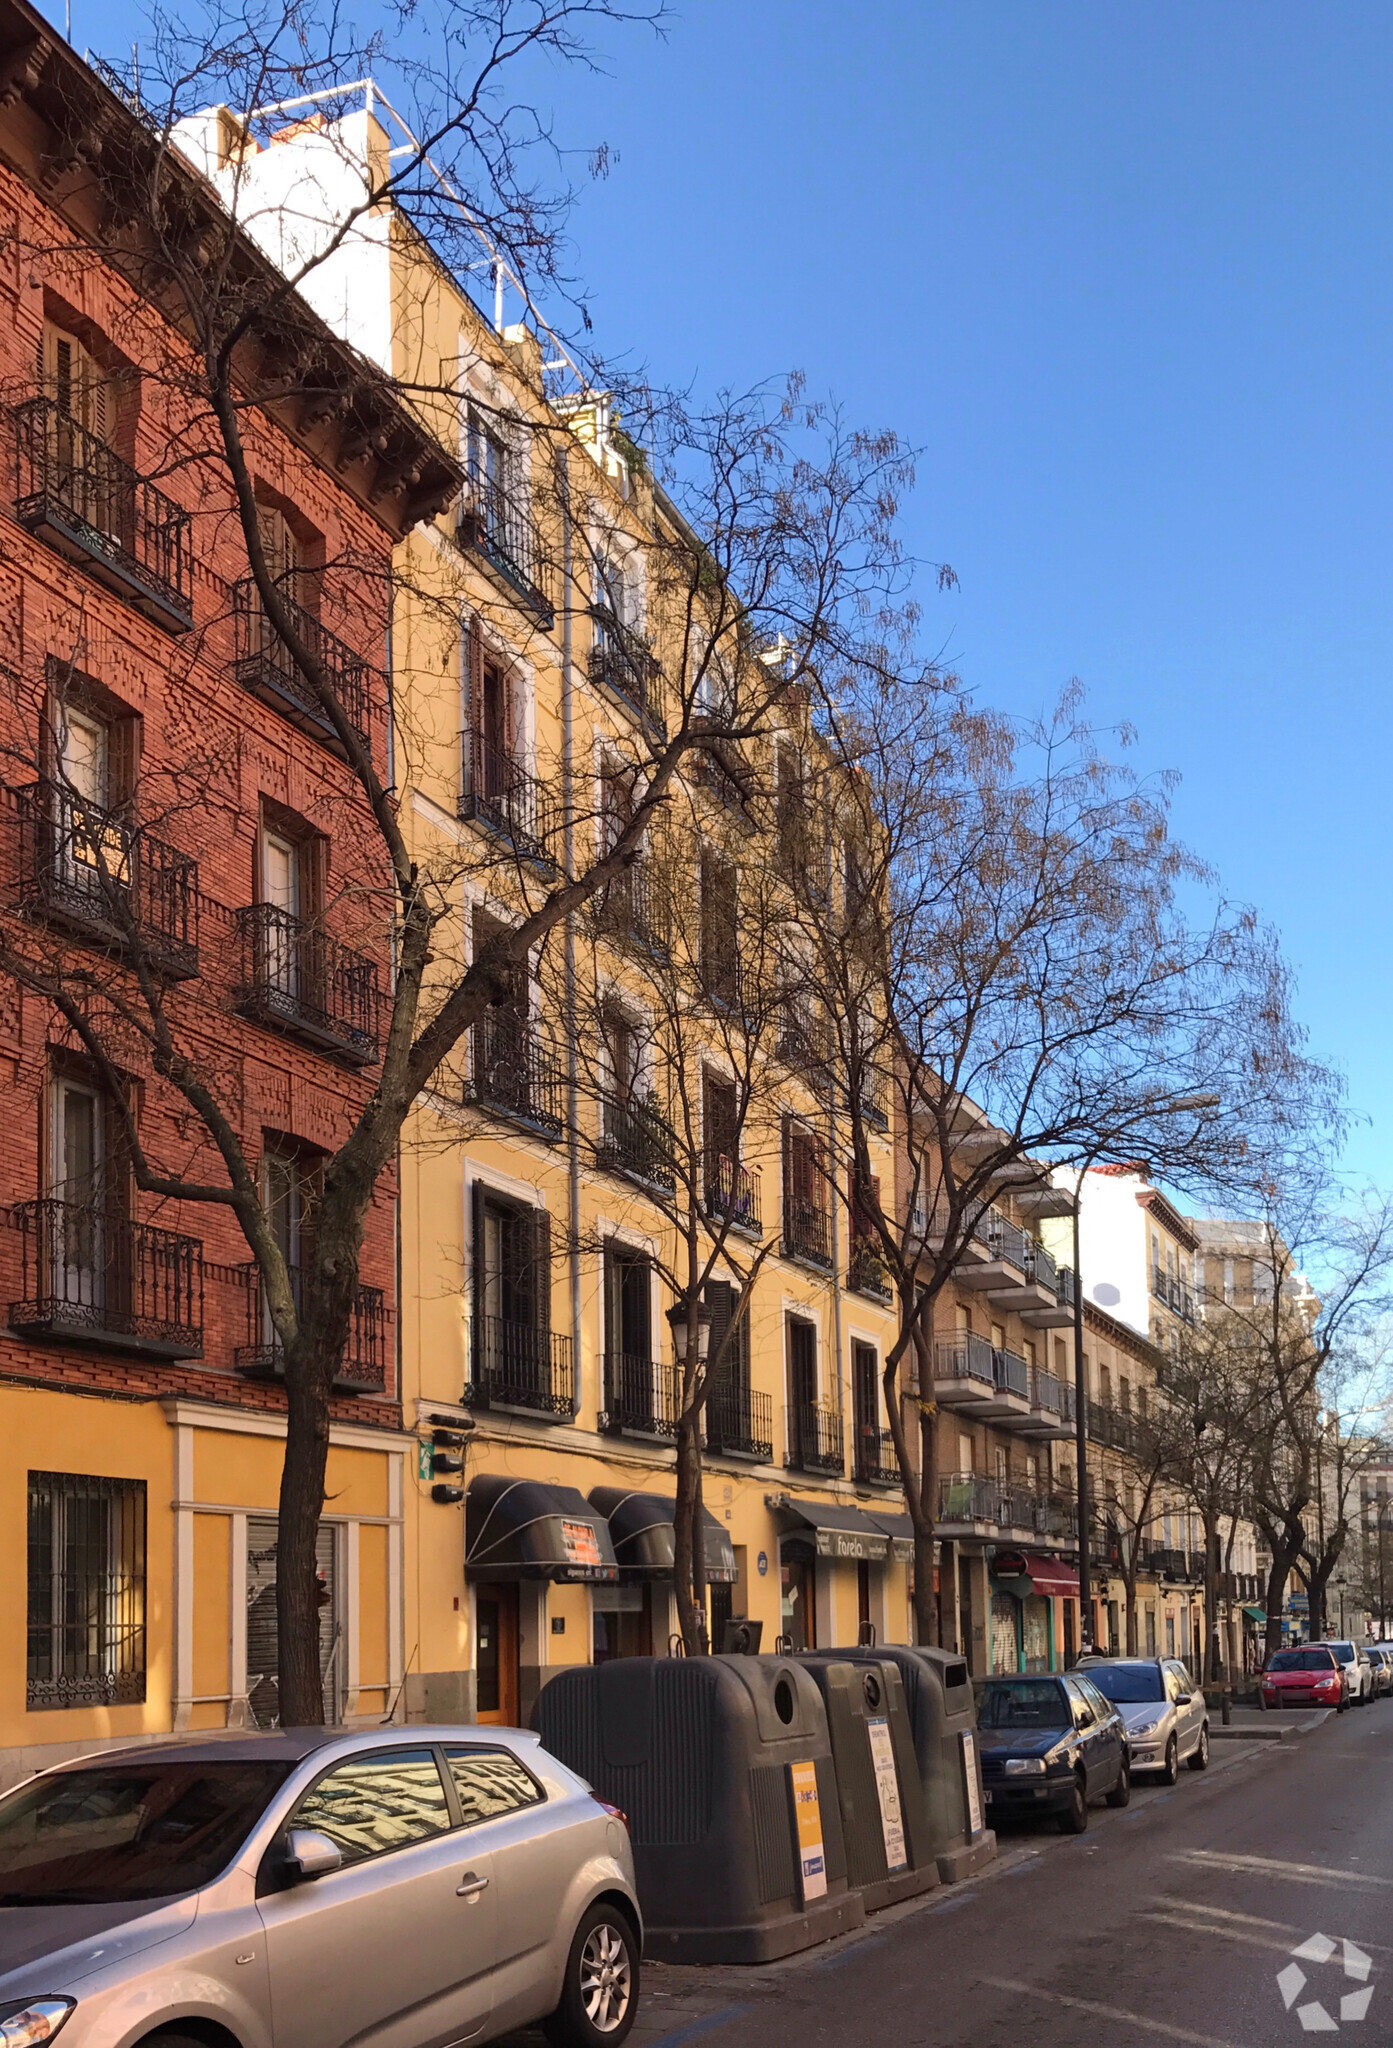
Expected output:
{"points": [[796, 1589]]}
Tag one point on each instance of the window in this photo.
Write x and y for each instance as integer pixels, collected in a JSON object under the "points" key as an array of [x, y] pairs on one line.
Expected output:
{"points": [[490, 1783], [720, 953], [379, 1800], [79, 387], [721, 1130], [805, 1208], [84, 1244], [86, 1609], [512, 1305], [629, 1318]]}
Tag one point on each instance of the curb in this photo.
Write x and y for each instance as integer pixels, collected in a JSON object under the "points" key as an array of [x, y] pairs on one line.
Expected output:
{"points": [[1270, 1728]]}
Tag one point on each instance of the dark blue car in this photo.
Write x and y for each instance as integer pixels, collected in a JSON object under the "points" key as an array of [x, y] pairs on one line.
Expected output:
{"points": [[1050, 1744]]}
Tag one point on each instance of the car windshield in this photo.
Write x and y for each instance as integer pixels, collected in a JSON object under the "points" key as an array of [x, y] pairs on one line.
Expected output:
{"points": [[1034, 1703], [128, 1831], [1301, 1660], [1343, 1652], [1127, 1685]]}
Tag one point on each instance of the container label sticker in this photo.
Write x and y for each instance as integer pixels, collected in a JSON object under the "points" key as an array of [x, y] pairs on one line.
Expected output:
{"points": [[807, 1819], [974, 1804], [887, 1791]]}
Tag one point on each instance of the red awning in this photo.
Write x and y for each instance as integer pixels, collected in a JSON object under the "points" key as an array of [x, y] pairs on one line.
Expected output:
{"points": [[1049, 1576]]}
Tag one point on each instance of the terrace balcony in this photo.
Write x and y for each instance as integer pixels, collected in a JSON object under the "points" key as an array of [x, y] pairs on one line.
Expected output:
{"points": [[521, 1368], [106, 879], [263, 666], [497, 525], [92, 1276], [295, 979], [84, 501], [362, 1363]]}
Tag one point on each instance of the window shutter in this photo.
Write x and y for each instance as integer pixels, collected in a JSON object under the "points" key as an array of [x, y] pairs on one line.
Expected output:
{"points": [[541, 1269], [613, 1316], [123, 761], [720, 1299], [476, 1203], [99, 401]]}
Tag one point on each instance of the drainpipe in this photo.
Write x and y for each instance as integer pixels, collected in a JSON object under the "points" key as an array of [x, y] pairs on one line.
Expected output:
{"points": [[568, 811]]}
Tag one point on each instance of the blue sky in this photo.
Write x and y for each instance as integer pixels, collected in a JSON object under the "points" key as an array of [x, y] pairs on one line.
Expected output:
{"points": [[1122, 275]]}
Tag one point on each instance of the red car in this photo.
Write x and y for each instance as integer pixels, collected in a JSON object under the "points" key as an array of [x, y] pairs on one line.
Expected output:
{"points": [[1309, 1677]]}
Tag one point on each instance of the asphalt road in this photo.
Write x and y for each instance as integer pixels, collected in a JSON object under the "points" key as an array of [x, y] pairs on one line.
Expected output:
{"points": [[1169, 1921]]}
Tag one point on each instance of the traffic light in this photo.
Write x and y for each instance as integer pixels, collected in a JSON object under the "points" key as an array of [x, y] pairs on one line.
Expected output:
{"points": [[446, 1455]]}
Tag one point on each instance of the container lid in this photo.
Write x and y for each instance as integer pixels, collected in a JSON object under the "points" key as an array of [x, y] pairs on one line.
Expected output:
{"points": [[521, 1529], [640, 1528]]}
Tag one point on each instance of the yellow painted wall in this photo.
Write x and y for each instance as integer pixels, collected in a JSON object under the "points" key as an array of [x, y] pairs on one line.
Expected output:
{"points": [[212, 1631]]}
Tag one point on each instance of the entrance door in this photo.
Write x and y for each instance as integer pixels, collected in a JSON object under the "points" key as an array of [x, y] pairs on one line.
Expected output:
{"points": [[78, 1247], [496, 1655], [623, 1622], [280, 892], [796, 1583]]}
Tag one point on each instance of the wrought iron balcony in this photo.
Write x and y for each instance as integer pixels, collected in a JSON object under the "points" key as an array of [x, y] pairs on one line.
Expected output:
{"points": [[516, 1365], [106, 879], [637, 1141], [867, 1272], [514, 1075], [622, 661], [362, 1364], [499, 794], [1168, 1288], [967, 1497], [497, 525], [263, 665], [876, 1459], [711, 769], [298, 980], [634, 909], [1011, 1374], [806, 1234], [642, 1397], [93, 1276], [78, 495], [732, 1192], [815, 1438], [740, 1423]]}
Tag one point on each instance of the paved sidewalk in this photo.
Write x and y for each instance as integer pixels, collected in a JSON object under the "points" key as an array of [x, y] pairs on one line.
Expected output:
{"points": [[1272, 1724]]}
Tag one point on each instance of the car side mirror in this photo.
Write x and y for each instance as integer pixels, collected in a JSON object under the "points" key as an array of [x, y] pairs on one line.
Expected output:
{"points": [[308, 1853], [1183, 1699]]}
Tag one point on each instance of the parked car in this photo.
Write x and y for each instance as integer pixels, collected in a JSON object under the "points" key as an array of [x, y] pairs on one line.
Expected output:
{"points": [[313, 1887], [1050, 1744], [1309, 1677], [1380, 1656], [1359, 1675], [1167, 1719]]}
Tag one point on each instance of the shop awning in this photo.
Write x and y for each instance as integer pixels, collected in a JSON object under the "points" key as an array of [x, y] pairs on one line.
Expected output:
{"points": [[520, 1529], [640, 1528], [836, 1531], [900, 1530], [1258, 1614], [1051, 1578]]}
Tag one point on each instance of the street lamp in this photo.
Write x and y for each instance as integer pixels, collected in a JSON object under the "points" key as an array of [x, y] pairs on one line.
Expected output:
{"points": [[680, 1318], [1179, 1107]]}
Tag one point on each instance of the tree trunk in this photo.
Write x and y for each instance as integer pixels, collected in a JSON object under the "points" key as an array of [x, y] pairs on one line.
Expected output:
{"points": [[300, 1681], [1278, 1574], [1129, 1588], [683, 1519], [1210, 1671], [925, 1600]]}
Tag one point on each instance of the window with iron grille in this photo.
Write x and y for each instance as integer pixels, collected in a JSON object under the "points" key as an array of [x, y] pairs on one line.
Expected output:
{"points": [[86, 1591]]}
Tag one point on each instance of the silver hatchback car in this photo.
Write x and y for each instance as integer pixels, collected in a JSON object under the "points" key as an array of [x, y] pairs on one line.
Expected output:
{"points": [[395, 1888]]}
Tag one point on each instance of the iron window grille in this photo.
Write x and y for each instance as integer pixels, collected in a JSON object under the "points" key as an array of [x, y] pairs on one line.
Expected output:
{"points": [[86, 1591]]}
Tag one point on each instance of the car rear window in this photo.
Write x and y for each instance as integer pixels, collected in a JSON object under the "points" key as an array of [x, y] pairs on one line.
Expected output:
{"points": [[1127, 1685], [128, 1831], [1343, 1652], [1302, 1660]]}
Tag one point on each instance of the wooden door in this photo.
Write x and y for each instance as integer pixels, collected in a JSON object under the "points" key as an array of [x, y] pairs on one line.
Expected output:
{"points": [[496, 1655]]}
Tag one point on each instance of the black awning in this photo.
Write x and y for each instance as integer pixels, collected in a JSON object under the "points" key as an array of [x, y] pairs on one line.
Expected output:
{"points": [[838, 1531], [900, 1530], [640, 1527], [520, 1529]]}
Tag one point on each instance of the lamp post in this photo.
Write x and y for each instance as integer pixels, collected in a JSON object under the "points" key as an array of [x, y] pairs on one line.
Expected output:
{"points": [[1180, 1106], [680, 1322]]}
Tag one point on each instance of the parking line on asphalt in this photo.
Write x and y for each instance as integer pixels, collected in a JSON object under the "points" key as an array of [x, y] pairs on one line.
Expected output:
{"points": [[694, 2029], [1108, 2012], [1298, 1873]]}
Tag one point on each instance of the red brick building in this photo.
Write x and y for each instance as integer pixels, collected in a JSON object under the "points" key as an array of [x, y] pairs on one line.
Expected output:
{"points": [[166, 776]]}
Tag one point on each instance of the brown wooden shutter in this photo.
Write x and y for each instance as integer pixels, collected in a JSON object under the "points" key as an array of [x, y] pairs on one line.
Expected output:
{"points": [[541, 1270], [124, 737]]}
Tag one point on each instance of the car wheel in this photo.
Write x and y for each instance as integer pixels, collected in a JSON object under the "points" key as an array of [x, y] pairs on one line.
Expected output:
{"points": [[1170, 1769], [1199, 1759], [600, 1996], [1121, 1792], [1074, 1818]]}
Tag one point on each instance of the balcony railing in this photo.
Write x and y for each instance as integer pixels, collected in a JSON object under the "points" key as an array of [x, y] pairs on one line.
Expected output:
{"points": [[732, 1192], [497, 524], [967, 1497], [642, 1397], [867, 1272], [1045, 1393], [497, 792], [636, 1140], [1174, 1292], [514, 1074], [971, 1497], [965, 1357], [806, 1234], [362, 1363], [1066, 1286], [876, 1459], [622, 661], [711, 770], [94, 871], [93, 1276], [518, 1366], [296, 979], [81, 497], [635, 909], [264, 666], [1039, 1265], [815, 1438], [1011, 1374], [740, 1423], [1119, 1429], [1004, 1240]]}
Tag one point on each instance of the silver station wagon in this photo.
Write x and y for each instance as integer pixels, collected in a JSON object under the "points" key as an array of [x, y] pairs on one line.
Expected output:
{"points": [[396, 1888]]}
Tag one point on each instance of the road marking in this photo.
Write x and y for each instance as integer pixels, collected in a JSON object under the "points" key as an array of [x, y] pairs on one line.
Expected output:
{"points": [[695, 2028], [1299, 1873], [1108, 2012], [1189, 1923]]}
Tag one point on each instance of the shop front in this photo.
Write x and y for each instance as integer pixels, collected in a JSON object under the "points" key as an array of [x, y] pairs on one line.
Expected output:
{"points": [[635, 1617], [1028, 1632], [834, 1569], [522, 1538]]}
